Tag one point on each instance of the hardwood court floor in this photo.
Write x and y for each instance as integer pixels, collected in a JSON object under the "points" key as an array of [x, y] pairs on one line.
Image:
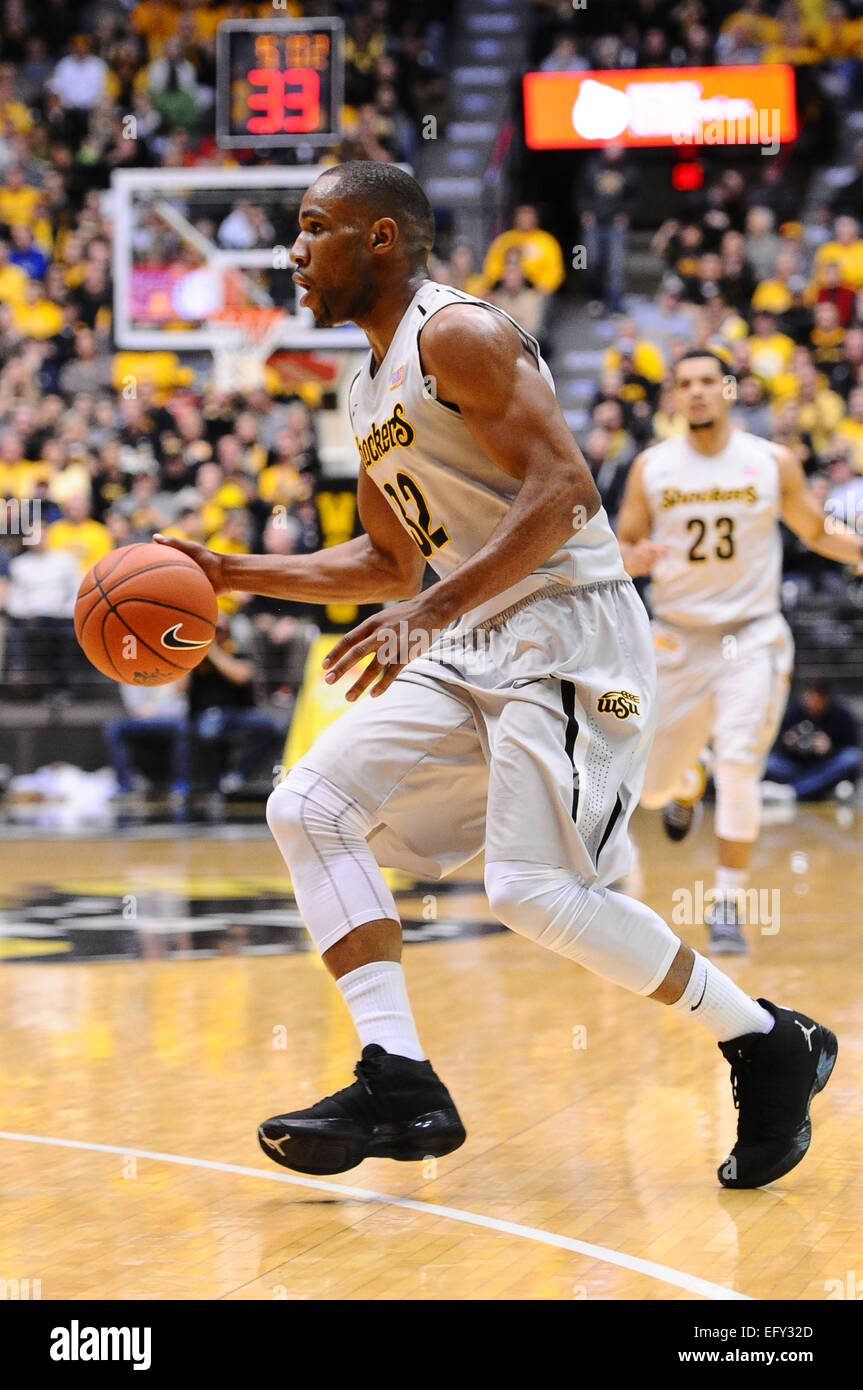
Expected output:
{"points": [[595, 1118]]}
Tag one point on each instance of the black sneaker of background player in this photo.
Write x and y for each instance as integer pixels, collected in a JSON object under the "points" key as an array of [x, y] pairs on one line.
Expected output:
{"points": [[774, 1077], [396, 1108], [679, 817]]}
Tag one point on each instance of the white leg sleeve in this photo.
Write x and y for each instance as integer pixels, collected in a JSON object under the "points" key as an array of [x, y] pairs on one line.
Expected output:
{"points": [[322, 835], [738, 801], [606, 932]]}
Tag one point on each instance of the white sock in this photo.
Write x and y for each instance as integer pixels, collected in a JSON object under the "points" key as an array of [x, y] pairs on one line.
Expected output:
{"points": [[377, 996], [730, 882], [719, 1005]]}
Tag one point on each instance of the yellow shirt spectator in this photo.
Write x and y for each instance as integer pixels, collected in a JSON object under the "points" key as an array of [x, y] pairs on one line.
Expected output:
{"points": [[37, 318], [13, 283], [156, 22], [280, 483], [227, 545], [541, 256], [849, 258], [647, 360], [71, 481], [17, 205], [771, 297], [851, 432], [16, 113], [87, 540], [771, 354], [819, 418]]}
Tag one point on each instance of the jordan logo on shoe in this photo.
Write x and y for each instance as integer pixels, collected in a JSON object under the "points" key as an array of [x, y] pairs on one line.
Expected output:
{"points": [[807, 1032], [276, 1143]]}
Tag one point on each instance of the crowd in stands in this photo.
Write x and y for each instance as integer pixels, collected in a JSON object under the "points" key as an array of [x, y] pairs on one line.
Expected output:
{"points": [[780, 300]]}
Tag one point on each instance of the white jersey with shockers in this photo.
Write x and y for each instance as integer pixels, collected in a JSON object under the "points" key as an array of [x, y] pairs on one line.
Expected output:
{"points": [[444, 489], [718, 516]]}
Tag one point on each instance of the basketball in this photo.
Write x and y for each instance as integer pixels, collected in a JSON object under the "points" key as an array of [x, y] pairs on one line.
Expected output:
{"points": [[145, 614]]}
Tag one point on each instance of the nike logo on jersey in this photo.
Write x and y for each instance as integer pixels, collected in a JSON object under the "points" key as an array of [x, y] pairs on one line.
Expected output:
{"points": [[807, 1032], [174, 642]]}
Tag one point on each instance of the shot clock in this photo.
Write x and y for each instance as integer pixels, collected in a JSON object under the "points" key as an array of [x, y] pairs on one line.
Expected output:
{"points": [[279, 82]]}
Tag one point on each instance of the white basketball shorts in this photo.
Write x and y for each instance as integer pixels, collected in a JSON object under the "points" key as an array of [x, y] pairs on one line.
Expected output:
{"points": [[527, 737], [723, 685]]}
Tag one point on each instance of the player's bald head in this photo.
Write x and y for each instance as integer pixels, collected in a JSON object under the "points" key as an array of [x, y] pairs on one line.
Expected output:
{"points": [[373, 191]]}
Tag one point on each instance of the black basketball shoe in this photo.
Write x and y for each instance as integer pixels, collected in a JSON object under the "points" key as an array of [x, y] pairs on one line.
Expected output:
{"points": [[774, 1077], [396, 1108], [681, 817]]}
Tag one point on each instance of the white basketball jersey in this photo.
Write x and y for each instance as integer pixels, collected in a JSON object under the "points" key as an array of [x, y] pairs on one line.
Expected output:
{"points": [[445, 491], [718, 516]]}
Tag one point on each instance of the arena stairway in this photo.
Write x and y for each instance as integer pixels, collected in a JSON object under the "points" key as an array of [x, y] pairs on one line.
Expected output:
{"points": [[486, 58]]}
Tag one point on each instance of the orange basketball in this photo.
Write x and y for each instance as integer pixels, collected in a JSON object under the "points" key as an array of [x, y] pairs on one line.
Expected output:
{"points": [[145, 614]]}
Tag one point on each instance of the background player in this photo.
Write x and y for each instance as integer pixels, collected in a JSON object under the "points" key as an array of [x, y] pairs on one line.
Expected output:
{"points": [[524, 727], [700, 515]]}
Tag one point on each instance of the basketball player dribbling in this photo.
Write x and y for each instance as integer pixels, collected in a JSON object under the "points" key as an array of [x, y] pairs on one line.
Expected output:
{"points": [[523, 728], [700, 515]]}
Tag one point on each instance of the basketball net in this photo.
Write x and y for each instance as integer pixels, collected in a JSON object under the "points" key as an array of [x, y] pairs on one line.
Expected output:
{"points": [[247, 337]]}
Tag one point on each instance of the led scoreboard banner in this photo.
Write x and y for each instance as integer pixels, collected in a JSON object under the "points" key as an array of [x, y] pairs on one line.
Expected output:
{"points": [[279, 82]]}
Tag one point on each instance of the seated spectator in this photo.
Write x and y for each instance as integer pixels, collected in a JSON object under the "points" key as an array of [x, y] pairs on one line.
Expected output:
{"points": [[845, 250], [39, 602], [820, 408], [152, 712], [831, 290], [26, 254], [773, 294], [516, 297], [140, 508], [762, 243], [827, 339], [850, 430], [609, 473], [751, 411], [564, 56], [283, 629], [770, 351], [541, 256], [18, 199], [788, 431], [13, 280], [35, 316], [668, 422], [665, 316], [460, 271], [222, 704], [844, 375], [816, 751], [635, 356], [77, 533], [89, 369], [737, 281], [608, 415], [797, 320], [680, 245]]}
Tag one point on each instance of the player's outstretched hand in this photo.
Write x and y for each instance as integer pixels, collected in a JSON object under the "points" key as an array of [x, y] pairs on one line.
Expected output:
{"points": [[211, 563], [643, 556], [394, 637]]}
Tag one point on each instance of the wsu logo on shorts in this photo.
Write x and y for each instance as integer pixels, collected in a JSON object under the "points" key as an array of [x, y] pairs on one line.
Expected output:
{"points": [[620, 703]]}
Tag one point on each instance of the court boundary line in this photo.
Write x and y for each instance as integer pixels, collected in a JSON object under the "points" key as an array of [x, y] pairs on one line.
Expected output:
{"points": [[604, 1254]]}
